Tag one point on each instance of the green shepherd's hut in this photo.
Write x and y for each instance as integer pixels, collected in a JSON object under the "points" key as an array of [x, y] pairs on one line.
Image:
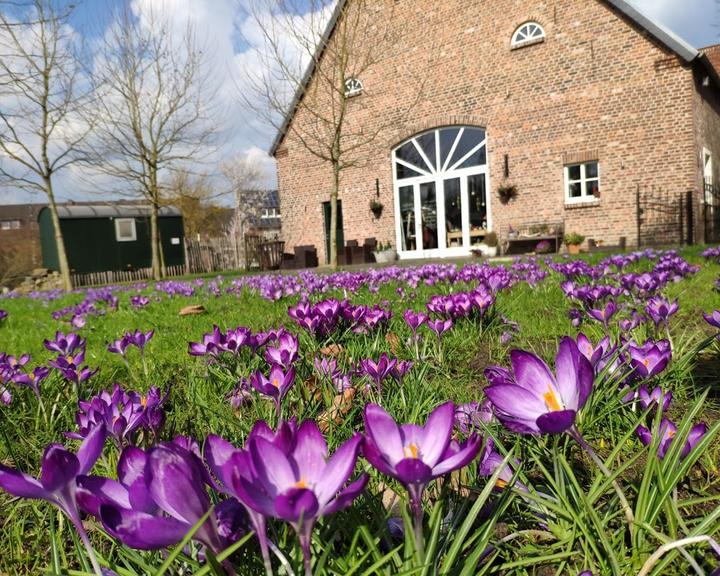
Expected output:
{"points": [[110, 237]]}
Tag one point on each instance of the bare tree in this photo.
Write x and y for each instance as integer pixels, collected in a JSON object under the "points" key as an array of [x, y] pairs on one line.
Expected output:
{"points": [[245, 178], [41, 97], [155, 107], [336, 56]]}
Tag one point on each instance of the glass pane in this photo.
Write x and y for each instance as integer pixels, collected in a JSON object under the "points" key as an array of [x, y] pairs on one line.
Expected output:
{"points": [[427, 143], [453, 213], [471, 137], [410, 154], [574, 172], [428, 210], [407, 216], [478, 208], [478, 158], [405, 172], [575, 190], [447, 139], [593, 188], [591, 170]]}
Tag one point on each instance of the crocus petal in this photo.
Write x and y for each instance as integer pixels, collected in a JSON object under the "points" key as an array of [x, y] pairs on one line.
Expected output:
{"points": [[140, 530], [516, 402], [21, 485], [462, 457], [372, 454], [556, 422], [413, 471], [346, 497], [310, 453], [93, 491], [296, 504], [435, 436], [59, 467], [272, 465], [531, 372], [382, 431], [176, 486], [337, 470], [91, 448], [217, 452]]}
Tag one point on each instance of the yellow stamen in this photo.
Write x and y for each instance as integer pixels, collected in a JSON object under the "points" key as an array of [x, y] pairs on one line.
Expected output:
{"points": [[70, 359], [646, 362], [301, 483], [551, 401], [671, 434], [276, 383], [143, 401], [501, 483], [412, 451]]}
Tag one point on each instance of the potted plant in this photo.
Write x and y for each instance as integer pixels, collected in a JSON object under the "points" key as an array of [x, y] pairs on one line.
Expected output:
{"points": [[489, 245], [385, 253], [376, 207], [573, 241], [506, 192]]}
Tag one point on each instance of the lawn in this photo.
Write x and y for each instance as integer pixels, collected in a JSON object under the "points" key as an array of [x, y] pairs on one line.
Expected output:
{"points": [[607, 464]]}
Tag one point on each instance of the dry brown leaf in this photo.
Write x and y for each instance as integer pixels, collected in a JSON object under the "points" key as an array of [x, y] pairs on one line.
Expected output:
{"points": [[392, 339], [193, 309], [334, 350], [341, 405]]}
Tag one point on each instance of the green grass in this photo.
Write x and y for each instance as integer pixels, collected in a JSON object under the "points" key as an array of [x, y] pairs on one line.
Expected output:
{"points": [[34, 537]]}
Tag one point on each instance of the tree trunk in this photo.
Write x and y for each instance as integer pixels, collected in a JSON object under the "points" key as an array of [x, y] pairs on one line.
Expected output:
{"points": [[154, 236], [334, 217], [59, 241]]}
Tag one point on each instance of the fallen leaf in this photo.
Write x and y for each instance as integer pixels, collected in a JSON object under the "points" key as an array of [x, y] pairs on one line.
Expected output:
{"points": [[334, 350], [341, 405], [193, 309], [392, 339]]}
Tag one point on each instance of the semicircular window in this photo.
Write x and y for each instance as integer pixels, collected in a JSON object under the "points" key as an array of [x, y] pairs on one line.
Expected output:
{"points": [[440, 151], [528, 33]]}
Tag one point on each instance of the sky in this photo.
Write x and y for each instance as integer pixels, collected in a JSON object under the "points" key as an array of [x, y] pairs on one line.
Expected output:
{"points": [[233, 40]]}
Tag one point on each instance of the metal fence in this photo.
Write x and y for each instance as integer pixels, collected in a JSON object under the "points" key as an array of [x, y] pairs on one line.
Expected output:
{"points": [[664, 217], [711, 214]]}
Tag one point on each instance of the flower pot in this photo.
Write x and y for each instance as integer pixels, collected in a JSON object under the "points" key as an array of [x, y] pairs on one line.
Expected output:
{"points": [[377, 212], [386, 256], [574, 249], [488, 251]]}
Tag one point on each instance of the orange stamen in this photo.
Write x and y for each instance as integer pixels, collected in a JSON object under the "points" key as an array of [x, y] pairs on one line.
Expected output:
{"points": [[551, 401], [412, 451]]}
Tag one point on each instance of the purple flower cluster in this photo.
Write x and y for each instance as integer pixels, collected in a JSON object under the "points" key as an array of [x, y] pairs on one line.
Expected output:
{"points": [[70, 357], [328, 316], [138, 338]]}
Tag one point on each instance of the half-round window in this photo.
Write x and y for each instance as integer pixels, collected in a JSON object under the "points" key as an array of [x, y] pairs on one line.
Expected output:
{"points": [[528, 33]]}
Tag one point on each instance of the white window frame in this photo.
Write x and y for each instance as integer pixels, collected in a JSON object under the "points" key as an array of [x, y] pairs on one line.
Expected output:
{"points": [[584, 197], [119, 237], [707, 163], [10, 224], [270, 213], [538, 35], [353, 87]]}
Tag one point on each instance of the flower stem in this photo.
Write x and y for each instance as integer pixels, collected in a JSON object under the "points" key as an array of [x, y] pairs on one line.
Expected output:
{"points": [[629, 516], [417, 513], [88, 546]]}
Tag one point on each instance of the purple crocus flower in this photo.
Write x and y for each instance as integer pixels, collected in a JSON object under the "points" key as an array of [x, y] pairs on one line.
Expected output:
{"points": [[657, 396], [301, 484], [668, 430], [439, 327], [286, 351], [490, 461], [3, 316], [651, 358], [119, 346], [209, 346], [414, 320], [470, 416], [603, 314], [415, 455], [660, 310], [713, 319], [535, 401], [58, 481], [378, 371], [160, 509], [401, 369], [139, 301], [276, 385], [590, 351], [5, 395], [325, 367], [65, 345], [241, 394], [32, 379], [140, 339]]}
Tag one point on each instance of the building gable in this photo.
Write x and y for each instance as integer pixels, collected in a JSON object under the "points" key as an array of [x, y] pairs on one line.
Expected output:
{"points": [[646, 25]]}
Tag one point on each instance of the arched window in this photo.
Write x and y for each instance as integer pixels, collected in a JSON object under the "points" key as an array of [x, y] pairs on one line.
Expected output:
{"points": [[441, 192], [528, 33], [353, 87]]}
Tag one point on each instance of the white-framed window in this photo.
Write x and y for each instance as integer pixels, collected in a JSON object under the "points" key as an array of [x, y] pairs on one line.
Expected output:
{"points": [[10, 224], [353, 87], [707, 166], [125, 230], [582, 182], [526, 34], [268, 213]]}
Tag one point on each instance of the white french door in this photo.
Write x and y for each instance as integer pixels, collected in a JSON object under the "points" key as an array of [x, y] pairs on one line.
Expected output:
{"points": [[441, 200]]}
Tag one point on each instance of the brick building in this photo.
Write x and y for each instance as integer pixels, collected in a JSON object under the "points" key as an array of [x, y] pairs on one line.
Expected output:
{"points": [[19, 239], [573, 105]]}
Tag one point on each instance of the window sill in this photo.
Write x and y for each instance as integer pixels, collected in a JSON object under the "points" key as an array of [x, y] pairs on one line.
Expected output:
{"points": [[527, 43], [578, 204]]}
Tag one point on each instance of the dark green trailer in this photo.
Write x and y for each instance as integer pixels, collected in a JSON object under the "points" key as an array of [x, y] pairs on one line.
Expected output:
{"points": [[113, 237]]}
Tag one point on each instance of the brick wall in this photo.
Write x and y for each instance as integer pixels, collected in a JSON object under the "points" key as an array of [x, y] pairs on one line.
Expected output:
{"points": [[596, 87]]}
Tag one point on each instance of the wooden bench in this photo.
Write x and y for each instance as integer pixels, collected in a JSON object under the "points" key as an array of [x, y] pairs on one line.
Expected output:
{"points": [[527, 239]]}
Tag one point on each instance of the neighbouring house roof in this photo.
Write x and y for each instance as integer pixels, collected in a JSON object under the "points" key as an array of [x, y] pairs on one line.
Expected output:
{"points": [[67, 211], [658, 31]]}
